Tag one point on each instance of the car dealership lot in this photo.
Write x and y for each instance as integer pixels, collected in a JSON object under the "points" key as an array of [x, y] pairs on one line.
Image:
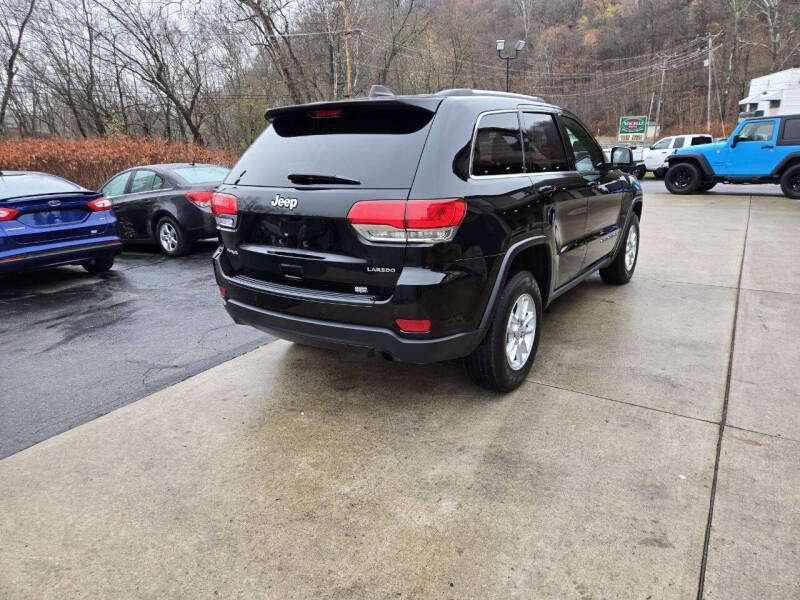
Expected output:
{"points": [[291, 472]]}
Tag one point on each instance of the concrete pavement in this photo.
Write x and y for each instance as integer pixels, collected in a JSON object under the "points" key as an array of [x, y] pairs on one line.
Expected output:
{"points": [[291, 472]]}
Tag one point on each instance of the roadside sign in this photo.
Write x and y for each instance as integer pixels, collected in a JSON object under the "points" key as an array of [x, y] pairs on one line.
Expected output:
{"points": [[632, 129]]}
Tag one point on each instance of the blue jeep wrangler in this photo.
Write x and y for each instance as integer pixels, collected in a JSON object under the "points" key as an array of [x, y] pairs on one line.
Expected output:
{"points": [[760, 150]]}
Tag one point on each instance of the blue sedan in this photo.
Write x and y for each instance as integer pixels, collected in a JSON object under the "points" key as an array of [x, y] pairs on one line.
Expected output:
{"points": [[47, 221]]}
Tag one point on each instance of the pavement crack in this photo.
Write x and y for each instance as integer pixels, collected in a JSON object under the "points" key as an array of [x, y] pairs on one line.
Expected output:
{"points": [[769, 435], [626, 403], [676, 282], [724, 420]]}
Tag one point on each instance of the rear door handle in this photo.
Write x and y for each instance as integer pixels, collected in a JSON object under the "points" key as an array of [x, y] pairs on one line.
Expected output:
{"points": [[767, 147]]}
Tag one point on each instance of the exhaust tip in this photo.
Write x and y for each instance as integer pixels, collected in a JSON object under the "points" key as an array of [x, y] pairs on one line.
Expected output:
{"points": [[386, 356]]}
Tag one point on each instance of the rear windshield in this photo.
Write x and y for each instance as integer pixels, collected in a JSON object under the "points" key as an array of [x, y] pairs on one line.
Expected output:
{"points": [[379, 147], [34, 184], [204, 174]]}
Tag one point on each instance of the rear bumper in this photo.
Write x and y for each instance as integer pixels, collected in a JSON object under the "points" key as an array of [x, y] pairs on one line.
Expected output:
{"points": [[353, 338], [332, 320], [201, 224], [26, 259]]}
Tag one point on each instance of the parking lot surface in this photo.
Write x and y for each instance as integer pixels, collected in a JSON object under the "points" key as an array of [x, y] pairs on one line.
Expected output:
{"points": [[76, 346], [656, 186], [291, 472]]}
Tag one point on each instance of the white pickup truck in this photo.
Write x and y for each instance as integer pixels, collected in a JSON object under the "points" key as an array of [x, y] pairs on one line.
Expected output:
{"points": [[655, 157]]}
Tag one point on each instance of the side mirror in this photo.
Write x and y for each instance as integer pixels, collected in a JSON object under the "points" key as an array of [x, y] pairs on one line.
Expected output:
{"points": [[737, 139], [621, 157]]}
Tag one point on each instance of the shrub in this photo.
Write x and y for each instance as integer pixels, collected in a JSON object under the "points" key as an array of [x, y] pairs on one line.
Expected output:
{"points": [[91, 162]]}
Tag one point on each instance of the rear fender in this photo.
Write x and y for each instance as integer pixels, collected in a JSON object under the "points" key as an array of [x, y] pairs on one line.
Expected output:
{"points": [[502, 274], [787, 160]]}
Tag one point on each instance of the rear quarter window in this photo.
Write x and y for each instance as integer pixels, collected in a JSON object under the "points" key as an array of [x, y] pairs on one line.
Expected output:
{"points": [[378, 146], [791, 131], [498, 145]]}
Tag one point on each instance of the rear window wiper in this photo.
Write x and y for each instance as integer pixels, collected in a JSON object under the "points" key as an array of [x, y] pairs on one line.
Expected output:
{"points": [[312, 178]]}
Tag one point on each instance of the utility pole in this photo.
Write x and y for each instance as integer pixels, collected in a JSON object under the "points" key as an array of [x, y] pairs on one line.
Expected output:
{"points": [[660, 99], [347, 47], [708, 102]]}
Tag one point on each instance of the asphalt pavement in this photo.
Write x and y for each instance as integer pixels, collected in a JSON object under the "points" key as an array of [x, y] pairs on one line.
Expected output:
{"points": [[76, 346]]}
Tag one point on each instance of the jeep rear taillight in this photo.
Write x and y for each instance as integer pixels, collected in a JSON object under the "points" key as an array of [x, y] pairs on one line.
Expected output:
{"points": [[225, 210], [428, 221]]}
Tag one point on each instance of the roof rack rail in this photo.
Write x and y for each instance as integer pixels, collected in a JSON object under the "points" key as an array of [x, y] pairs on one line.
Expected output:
{"points": [[471, 92], [380, 90]]}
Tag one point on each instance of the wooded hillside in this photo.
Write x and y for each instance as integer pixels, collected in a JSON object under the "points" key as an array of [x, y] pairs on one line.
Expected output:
{"points": [[205, 71]]}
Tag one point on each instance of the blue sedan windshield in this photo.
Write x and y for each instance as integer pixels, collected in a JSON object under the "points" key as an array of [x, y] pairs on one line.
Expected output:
{"points": [[33, 184]]}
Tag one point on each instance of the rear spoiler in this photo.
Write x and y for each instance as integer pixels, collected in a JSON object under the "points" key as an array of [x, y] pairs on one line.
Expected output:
{"points": [[429, 104]]}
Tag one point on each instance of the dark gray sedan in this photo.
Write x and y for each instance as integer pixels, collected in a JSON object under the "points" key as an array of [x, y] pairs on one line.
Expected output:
{"points": [[169, 204]]}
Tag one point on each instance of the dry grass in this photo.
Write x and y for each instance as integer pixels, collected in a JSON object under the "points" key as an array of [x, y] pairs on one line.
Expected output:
{"points": [[90, 162], [716, 129]]}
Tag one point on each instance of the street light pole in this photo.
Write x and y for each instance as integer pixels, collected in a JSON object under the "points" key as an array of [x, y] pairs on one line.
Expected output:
{"points": [[501, 45]]}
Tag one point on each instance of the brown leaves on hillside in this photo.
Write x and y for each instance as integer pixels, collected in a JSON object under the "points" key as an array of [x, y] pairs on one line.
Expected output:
{"points": [[90, 162]]}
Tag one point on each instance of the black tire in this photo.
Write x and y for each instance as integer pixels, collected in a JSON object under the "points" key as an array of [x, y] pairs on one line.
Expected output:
{"points": [[640, 171], [171, 237], [659, 173], [790, 182], [683, 178], [488, 365], [618, 272], [99, 265], [706, 186]]}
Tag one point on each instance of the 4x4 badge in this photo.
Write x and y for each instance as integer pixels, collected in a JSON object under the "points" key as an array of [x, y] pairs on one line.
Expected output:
{"points": [[282, 202]]}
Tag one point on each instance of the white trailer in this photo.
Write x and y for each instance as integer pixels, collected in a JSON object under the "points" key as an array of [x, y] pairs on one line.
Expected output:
{"points": [[772, 95]]}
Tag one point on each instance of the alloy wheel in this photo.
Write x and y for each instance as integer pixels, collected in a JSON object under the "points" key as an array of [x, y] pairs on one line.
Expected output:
{"points": [[520, 331], [631, 248], [168, 236]]}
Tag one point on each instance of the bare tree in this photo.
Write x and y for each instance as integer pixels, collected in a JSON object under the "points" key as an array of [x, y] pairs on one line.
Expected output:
{"points": [[780, 21], [271, 20], [404, 26], [14, 18], [161, 52], [737, 11]]}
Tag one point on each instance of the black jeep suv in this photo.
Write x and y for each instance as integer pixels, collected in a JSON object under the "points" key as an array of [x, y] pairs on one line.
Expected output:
{"points": [[423, 228]]}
